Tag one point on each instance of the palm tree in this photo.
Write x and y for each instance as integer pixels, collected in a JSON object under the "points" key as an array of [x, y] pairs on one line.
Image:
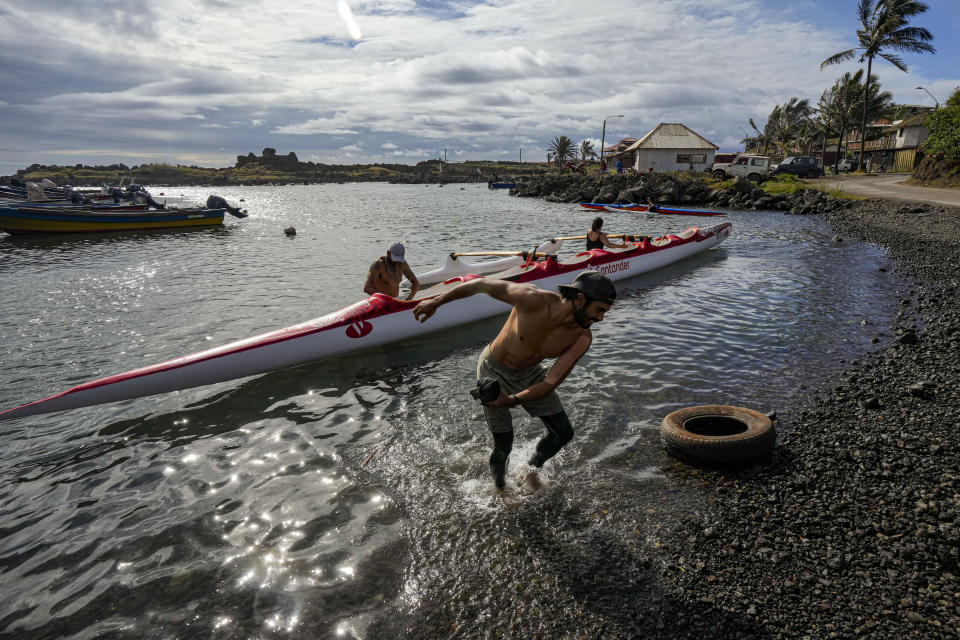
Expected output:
{"points": [[586, 150], [762, 136], [562, 149], [884, 27], [786, 121], [840, 103]]}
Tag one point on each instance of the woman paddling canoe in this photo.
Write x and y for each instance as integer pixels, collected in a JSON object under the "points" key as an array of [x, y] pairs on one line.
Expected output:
{"points": [[597, 239]]}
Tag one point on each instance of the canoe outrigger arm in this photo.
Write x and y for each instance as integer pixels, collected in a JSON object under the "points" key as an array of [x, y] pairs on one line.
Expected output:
{"points": [[522, 254]]}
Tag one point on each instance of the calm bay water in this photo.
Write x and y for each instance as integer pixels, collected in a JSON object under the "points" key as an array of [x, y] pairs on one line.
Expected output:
{"points": [[350, 498]]}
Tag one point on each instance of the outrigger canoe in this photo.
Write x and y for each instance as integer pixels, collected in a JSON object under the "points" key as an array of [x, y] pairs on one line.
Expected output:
{"points": [[674, 211], [599, 206], [670, 211], [374, 321]]}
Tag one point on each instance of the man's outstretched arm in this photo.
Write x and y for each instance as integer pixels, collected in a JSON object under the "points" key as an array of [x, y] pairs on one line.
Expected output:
{"points": [[509, 292]]}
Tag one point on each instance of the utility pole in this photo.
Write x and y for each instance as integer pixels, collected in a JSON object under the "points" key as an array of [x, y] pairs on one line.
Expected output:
{"points": [[603, 133]]}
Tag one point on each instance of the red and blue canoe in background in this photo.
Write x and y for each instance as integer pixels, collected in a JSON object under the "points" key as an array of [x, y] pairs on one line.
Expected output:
{"points": [[643, 208], [372, 322]]}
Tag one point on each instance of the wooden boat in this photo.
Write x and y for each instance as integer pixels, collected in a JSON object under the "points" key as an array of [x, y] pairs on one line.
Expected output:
{"points": [[67, 205], [31, 219], [501, 185], [374, 321], [19, 194]]}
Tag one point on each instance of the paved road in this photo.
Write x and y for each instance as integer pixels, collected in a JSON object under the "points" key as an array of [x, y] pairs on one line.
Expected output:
{"points": [[891, 187]]}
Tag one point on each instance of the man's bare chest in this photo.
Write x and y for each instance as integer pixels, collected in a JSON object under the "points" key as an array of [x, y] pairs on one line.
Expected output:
{"points": [[545, 342]]}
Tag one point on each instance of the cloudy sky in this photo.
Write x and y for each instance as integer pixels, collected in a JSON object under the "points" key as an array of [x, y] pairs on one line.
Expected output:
{"points": [[201, 81]]}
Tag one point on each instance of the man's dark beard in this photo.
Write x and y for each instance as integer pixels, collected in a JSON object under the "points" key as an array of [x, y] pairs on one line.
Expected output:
{"points": [[581, 317]]}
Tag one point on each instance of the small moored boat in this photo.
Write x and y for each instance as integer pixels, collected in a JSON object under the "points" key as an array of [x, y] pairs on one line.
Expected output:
{"points": [[599, 206], [668, 211], [23, 219], [596, 206]]}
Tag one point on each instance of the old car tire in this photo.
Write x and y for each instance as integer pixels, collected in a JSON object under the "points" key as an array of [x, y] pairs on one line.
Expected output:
{"points": [[718, 435], [754, 177], [719, 175]]}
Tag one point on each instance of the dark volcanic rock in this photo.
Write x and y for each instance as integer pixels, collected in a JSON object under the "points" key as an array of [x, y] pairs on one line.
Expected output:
{"points": [[853, 529]]}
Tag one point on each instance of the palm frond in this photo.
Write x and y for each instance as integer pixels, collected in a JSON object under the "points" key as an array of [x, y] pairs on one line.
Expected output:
{"points": [[895, 61], [864, 11], [837, 58], [909, 8]]}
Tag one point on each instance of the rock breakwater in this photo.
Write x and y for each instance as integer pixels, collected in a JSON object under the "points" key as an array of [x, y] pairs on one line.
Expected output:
{"points": [[689, 188]]}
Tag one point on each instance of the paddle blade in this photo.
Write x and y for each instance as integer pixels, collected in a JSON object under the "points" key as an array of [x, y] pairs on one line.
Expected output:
{"points": [[550, 246]]}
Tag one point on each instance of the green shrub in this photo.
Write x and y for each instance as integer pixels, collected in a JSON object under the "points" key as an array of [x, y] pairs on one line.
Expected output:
{"points": [[944, 127]]}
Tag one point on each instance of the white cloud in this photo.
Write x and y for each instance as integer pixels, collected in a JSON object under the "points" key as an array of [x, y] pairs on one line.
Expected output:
{"points": [[479, 78]]}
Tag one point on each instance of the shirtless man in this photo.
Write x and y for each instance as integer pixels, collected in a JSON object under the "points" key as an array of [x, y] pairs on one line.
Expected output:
{"points": [[387, 271], [542, 324]]}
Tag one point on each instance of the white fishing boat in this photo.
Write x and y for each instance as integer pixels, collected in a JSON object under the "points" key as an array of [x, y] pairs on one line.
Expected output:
{"points": [[374, 321]]}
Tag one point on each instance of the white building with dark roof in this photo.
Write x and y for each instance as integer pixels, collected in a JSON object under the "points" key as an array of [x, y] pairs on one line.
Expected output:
{"points": [[671, 147]]}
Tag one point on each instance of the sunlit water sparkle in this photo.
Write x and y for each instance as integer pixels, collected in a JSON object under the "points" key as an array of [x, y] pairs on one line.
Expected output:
{"points": [[245, 509]]}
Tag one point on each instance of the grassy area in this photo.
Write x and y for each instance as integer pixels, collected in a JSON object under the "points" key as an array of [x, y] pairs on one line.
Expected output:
{"points": [[279, 170], [784, 183], [720, 184]]}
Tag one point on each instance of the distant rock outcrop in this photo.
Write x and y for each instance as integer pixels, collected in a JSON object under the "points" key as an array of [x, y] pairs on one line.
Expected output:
{"points": [[270, 159]]}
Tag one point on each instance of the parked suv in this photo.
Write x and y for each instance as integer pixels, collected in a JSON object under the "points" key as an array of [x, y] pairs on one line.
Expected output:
{"points": [[802, 166], [755, 168], [846, 165]]}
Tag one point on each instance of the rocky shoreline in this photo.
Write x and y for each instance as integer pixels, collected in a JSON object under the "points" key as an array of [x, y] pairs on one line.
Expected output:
{"points": [[689, 188], [852, 529]]}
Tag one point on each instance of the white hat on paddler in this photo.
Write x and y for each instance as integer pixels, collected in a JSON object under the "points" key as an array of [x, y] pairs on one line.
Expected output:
{"points": [[397, 252]]}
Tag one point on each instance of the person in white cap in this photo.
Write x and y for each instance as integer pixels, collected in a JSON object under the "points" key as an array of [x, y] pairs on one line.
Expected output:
{"points": [[388, 270]]}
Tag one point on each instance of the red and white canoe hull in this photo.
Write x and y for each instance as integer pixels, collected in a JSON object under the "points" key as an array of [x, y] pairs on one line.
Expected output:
{"points": [[372, 322]]}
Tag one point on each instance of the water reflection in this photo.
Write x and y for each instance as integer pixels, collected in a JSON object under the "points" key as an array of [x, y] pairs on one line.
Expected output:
{"points": [[350, 498]]}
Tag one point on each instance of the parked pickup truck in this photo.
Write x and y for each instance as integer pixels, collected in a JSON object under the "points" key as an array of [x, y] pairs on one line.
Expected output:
{"points": [[755, 168]]}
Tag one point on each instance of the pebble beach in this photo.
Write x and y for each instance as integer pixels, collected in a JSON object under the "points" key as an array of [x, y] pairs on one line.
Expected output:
{"points": [[852, 529]]}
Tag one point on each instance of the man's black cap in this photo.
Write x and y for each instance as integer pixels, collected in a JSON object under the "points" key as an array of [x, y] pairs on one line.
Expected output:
{"points": [[592, 284]]}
